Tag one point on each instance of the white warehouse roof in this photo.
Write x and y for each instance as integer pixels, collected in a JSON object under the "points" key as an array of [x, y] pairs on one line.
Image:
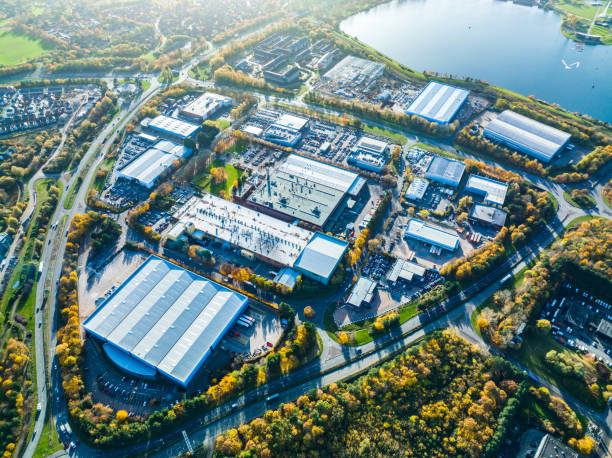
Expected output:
{"points": [[417, 189], [493, 191], [527, 135], [167, 317], [292, 122], [372, 145], [147, 167], [363, 291], [319, 172], [173, 126], [420, 231], [438, 102], [321, 256]]}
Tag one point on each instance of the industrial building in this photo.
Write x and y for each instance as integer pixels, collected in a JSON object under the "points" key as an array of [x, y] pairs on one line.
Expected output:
{"points": [[417, 189], [438, 102], [286, 130], [362, 293], [422, 232], [354, 71], [492, 191], [445, 171], [369, 154], [405, 270], [171, 127], [550, 447], [527, 135], [488, 216], [276, 242], [305, 189], [320, 258], [205, 106], [164, 319], [150, 165], [288, 75]]}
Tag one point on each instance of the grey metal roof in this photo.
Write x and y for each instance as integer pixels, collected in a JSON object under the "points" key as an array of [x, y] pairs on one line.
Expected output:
{"points": [[527, 135], [321, 256], [489, 215], [363, 291], [167, 317], [419, 230], [445, 170]]}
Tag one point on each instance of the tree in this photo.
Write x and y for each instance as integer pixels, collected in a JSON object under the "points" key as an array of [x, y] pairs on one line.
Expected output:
{"points": [[286, 312], [309, 312], [543, 326], [219, 174], [190, 143]]}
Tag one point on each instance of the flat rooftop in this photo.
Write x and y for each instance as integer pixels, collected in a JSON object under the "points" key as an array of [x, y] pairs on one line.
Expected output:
{"points": [[372, 145], [248, 229], [166, 317], [305, 189], [363, 291], [493, 191], [445, 170], [438, 102], [527, 135], [418, 230], [417, 189], [490, 215], [291, 122], [322, 255], [406, 270], [173, 126], [206, 104], [147, 167]]}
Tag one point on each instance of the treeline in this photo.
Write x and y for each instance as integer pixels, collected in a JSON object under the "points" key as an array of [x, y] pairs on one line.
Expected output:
{"points": [[13, 393], [227, 75], [441, 398], [134, 216], [17, 69], [385, 116]]}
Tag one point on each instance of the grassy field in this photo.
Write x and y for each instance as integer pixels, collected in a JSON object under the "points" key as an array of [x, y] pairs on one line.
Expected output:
{"points": [[204, 180], [580, 9], [396, 137], [606, 34], [16, 49], [532, 354], [436, 150], [47, 445]]}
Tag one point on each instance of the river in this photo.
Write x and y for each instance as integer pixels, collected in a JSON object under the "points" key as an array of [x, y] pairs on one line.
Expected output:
{"points": [[513, 46]]}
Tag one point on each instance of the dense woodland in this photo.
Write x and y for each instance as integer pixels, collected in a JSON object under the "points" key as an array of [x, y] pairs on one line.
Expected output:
{"points": [[441, 398]]}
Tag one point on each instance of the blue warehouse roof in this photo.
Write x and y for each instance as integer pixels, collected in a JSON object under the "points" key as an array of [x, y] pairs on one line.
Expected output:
{"points": [[167, 318], [438, 102]]}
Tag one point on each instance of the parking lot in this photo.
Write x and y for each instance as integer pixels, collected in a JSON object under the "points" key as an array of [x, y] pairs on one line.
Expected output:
{"points": [[576, 316]]}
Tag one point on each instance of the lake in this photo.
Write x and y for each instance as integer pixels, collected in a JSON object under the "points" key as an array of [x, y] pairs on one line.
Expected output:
{"points": [[513, 46]]}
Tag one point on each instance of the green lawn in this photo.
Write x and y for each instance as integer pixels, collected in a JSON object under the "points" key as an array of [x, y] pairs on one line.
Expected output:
{"points": [[204, 180], [16, 48], [396, 137], [532, 354], [46, 446], [222, 124], [437, 150], [579, 9]]}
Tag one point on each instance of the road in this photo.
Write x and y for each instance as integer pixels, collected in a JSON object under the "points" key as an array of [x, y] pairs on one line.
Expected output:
{"points": [[336, 362]]}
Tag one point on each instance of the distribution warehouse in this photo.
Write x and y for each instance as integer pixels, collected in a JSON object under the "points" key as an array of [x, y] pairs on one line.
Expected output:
{"points": [[527, 135], [272, 240], [418, 230], [438, 102], [171, 126], [305, 189], [150, 165], [205, 106], [165, 318]]}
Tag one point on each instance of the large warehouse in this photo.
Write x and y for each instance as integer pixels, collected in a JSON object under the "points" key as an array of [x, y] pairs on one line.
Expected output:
{"points": [[422, 232], [305, 189], [445, 171], [165, 318], [172, 127], [276, 242], [527, 135], [438, 102], [150, 165]]}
